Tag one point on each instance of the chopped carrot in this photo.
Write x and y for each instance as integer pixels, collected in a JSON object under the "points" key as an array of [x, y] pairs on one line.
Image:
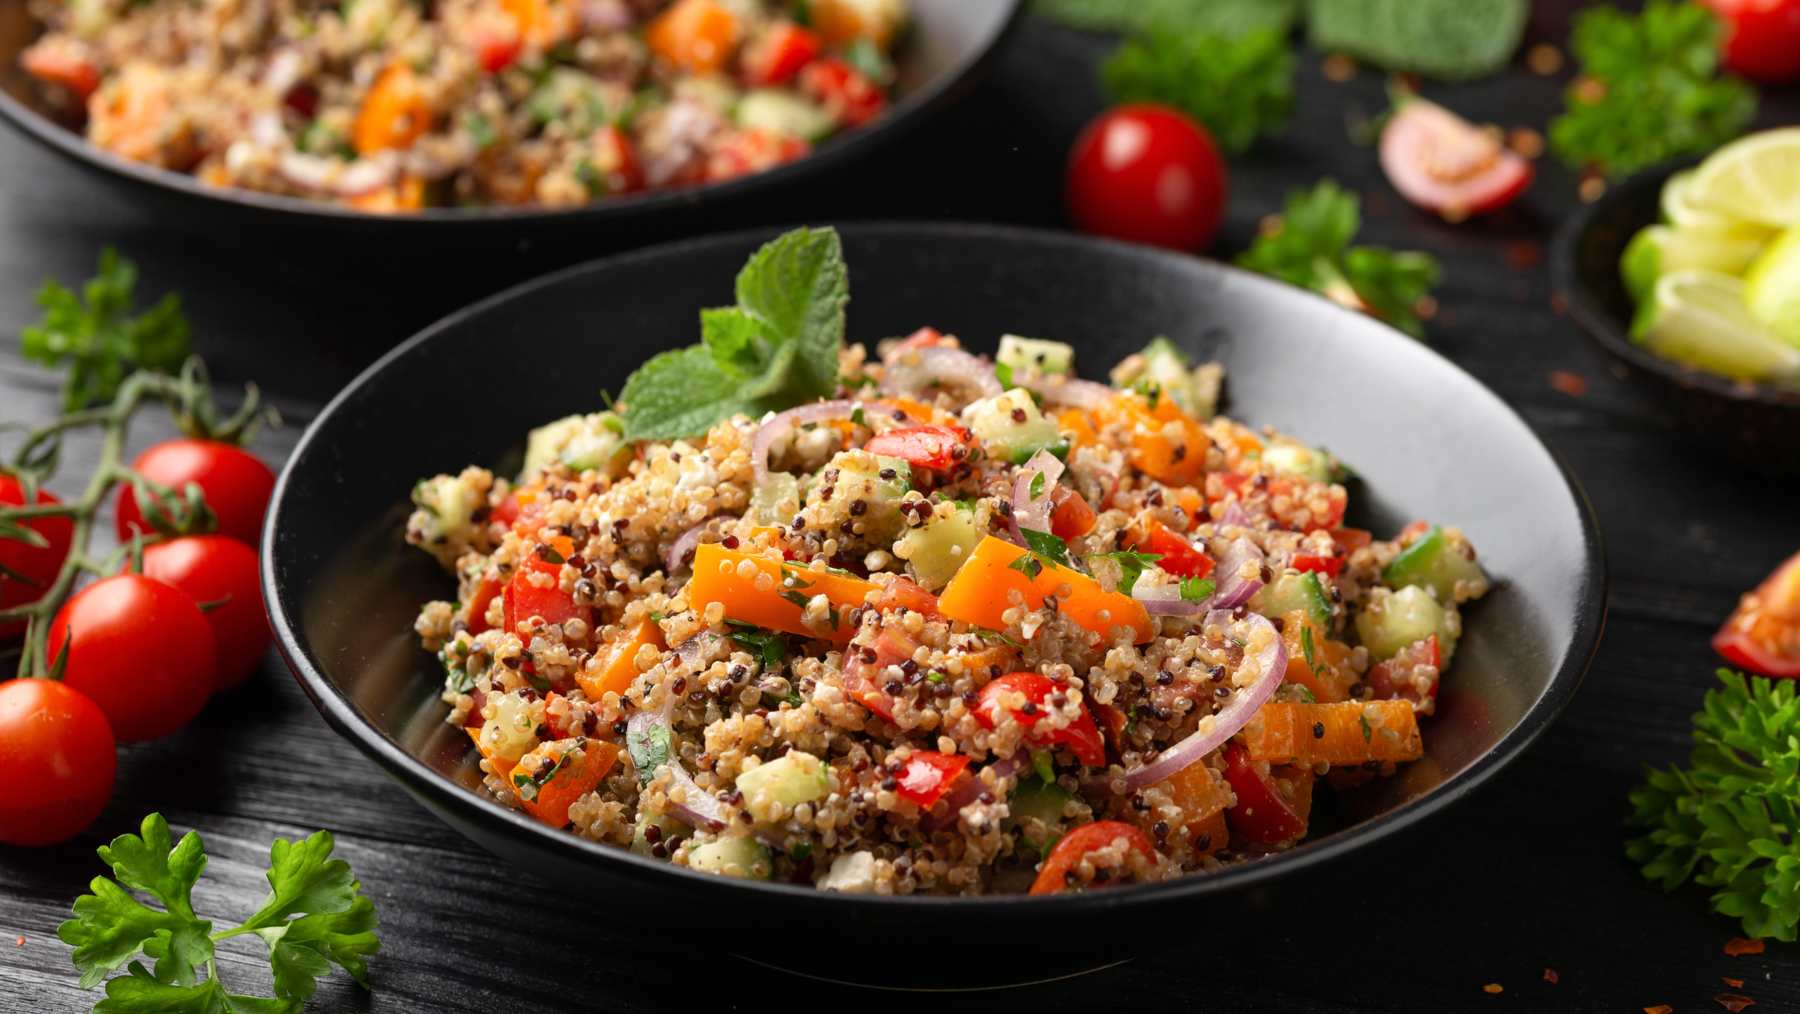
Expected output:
{"points": [[981, 592], [769, 592], [1350, 732], [548, 780], [696, 35], [614, 666], [1328, 675], [393, 114]]}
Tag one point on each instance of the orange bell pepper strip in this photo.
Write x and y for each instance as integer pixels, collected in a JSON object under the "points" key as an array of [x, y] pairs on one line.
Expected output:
{"points": [[981, 592], [1327, 676], [695, 35], [393, 114], [1203, 798], [614, 667], [768, 592], [1349, 732], [549, 779]]}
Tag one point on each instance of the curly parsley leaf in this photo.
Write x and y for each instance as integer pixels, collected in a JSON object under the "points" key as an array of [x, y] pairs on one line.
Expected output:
{"points": [[777, 348], [1730, 819], [95, 333], [1449, 39], [1230, 18], [335, 925], [1309, 245], [1649, 89], [1240, 89]]}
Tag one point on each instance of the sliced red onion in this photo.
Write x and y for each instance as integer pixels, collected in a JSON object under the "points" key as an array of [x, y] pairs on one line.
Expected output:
{"points": [[1057, 389], [965, 791], [1166, 600], [1234, 589], [700, 808], [283, 71], [913, 370], [1214, 731], [785, 422], [265, 131], [605, 15], [682, 547], [335, 176], [1028, 511], [1235, 515]]}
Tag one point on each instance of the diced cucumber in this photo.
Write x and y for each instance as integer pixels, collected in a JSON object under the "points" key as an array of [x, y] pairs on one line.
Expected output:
{"points": [[775, 501], [880, 482], [1295, 590], [783, 112], [443, 525], [939, 548], [1034, 355], [772, 790], [1037, 810], [734, 857], [1164, 367], [1010, 426], [581, 442], [1298, 459], [1392, 620], [670, 830], [1434, 562]]}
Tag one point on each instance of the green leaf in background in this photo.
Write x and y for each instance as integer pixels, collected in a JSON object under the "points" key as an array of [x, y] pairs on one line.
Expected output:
{"points": [[1228, 18], [1239, 88], [1649, 89], [1448, 39], [95, 333]]}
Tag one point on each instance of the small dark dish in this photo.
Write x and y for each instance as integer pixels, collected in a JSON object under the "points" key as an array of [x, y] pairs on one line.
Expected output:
{"points": [[1428, 441], [947, 44], [1757, 426]]}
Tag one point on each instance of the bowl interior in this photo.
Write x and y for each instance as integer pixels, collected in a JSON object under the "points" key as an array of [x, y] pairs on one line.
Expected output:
{"points": [[1427, 441]]}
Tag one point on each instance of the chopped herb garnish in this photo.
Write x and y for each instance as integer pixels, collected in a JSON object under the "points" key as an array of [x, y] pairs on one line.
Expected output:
{"points": [[649, 749], [857, 418], [1048, 547], [935, 677], [1041, 762], [770, 648], [1305, 694], [1132, 565], [1028, 565], [1197, 589], [1306, 648], [1037, 485], [1004, 373], [1362, 716]]}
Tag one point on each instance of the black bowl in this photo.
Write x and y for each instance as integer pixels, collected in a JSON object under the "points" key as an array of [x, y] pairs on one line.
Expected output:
{"points": [[1755, 425], [947, 44], [1428, 441]]}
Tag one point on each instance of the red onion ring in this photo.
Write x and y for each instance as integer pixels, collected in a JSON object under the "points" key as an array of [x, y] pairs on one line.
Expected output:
{"points": [[1166, 600], [965, 791], [912, 370], [700, 809], [1028, 511], [1235, 515], [1057, 389], [1234, 589], [785, 422], [683, 546], [335, 176]]}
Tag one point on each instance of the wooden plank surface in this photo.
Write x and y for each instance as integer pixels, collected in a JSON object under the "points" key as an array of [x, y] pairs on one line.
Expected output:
{"points": [[1527, 875]]}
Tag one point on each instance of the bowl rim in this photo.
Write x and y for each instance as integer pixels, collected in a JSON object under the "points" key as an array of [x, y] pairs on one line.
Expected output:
{"points": [[901, 118], [442, 794], [1607, 332]]}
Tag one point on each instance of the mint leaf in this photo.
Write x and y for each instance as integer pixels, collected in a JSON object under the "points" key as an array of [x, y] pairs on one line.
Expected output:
{"points": [[777, 348]]}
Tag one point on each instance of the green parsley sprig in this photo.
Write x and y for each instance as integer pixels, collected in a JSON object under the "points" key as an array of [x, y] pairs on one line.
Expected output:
{"points": [[314, 916], [1649, 89], [1730, 820], [95, 333], [1241, 88], [1309, 246]]}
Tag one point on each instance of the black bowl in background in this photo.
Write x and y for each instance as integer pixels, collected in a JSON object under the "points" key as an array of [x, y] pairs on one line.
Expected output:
{"points": [[1428, 441], [947, 44], [1755, 425]]}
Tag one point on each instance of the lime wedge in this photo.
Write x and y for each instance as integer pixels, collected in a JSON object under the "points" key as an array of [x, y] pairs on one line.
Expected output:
{"points": [[1659, 249], [1772, 287], [1678, 207], [1700, 318], [1756, 178]]}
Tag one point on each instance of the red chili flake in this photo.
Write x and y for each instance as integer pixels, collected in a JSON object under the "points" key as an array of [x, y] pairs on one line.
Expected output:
{"points": [[1572, 384], [1524, 255], [1493, 989], [1551, 977], [1738, 946], [1733, 1002], [1733, 983], [1338, 68], [21, 942]]}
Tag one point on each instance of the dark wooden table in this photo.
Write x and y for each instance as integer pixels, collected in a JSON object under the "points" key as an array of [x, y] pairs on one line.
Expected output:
{"points": [[1526, 877]]}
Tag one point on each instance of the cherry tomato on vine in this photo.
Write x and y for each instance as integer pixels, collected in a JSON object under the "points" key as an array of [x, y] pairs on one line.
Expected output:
{"points": [[1149, 174], [57, 761], [1761, 38], [215, 569], [141, 649], [234, 482], [26, 570]]}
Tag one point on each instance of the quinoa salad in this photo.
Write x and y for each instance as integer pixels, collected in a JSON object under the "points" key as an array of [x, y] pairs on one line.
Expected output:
{"points": [[948, 625], [395, 105]]}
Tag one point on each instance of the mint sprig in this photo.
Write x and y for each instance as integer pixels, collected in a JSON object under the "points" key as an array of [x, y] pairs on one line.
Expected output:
{"points": [[314, 916], [777, 348]]}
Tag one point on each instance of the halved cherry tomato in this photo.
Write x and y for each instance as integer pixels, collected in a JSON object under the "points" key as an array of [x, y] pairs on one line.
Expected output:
{"points": [[930, 446], [1179, 556], [1081, 737], [1070, 515], [615, 161], [62, 61], [744, 152], [1763, 634], [1349, 540], [1327, 565], [927, 775], [1075, 845], [778, 54], [905, 594], [219, 573], [141, 650], [850, 97], [1445, 164], [485, 593], [235, 484], [496, 49], [27, 571], [1261, 814], [1148, 174], [57, 761], [524, 598], [1387, 680]]}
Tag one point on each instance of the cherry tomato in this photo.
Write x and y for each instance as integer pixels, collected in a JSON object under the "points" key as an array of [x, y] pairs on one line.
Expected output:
{"points": [[615, 161], [927, 775], [496, 50], [62, 61], [1391, 679], [930, 446], [57, 761], [234, 482], [851, 98], [1445, 164], [1148, 174], [525, 598], [1262, 813], [1069, 851], [26, 570], [1327, 565], [744, 152], [1081, 737], [1179, 556], [1761, 39], [215, 569], [905, 594], [1763, 634], [778, 54], [141, 649]]}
